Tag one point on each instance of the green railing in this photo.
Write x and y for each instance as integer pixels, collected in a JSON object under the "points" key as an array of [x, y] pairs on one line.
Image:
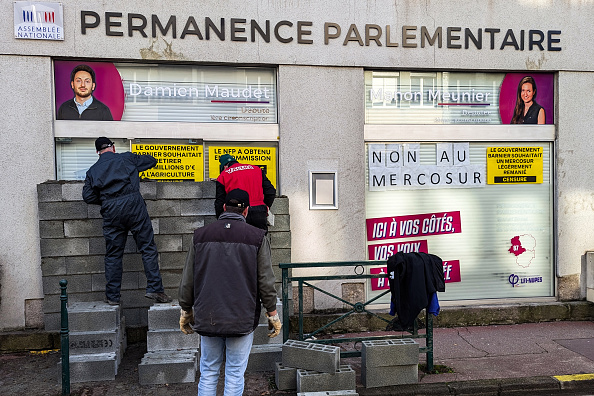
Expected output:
{"points": [[357, 307]]}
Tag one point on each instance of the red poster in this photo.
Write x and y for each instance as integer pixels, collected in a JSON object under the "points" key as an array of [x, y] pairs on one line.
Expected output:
{"points": [[451, 274], [385, 250], [413, 225]]}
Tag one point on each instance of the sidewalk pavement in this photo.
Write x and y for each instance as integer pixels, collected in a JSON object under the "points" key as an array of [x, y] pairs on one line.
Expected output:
{"points": [[527, 359]]}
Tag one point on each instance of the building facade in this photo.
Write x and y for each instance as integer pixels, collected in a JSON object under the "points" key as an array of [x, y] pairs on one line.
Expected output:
{"points": [[387, 124]]}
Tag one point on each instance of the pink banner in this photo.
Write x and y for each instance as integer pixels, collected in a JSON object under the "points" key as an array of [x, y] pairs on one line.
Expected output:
{"points": [[451, 274], [413, 225], [451, 271], [385, 250]]}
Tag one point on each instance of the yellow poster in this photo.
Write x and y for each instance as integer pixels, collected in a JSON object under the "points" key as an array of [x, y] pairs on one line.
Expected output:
{"points": [[514, 165], [174, 161], [264, 157]]}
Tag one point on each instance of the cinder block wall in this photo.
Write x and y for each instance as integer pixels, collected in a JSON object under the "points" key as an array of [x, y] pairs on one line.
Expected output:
{"points": [[72, 244]]}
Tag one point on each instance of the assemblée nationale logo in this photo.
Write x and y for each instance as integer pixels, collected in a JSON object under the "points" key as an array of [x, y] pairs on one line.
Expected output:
{"points": [[38, 21]]}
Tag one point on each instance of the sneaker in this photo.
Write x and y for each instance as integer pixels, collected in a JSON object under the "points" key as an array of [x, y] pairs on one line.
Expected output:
{"points": [[159, 297], [111, 302]]}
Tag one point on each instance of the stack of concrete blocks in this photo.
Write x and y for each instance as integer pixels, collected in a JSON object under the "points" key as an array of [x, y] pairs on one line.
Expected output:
{"points": [[312, 367], [389, 362], [172, 356], [265, 350], [73, 246], [97, 341]]}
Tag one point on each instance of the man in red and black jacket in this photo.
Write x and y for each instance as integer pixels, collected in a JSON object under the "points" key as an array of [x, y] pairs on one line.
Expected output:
{"points": [[249, 178]]}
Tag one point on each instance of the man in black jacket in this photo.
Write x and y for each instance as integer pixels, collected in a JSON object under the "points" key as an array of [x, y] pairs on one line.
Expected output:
{"points": [[113, 183], [84, 106], [227, 274]]}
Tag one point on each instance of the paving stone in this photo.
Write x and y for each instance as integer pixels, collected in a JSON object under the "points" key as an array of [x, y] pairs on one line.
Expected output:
{"points": [[285, 378], [314, 381], [373, 377], [311, 356], [95, 367], [171, 340], [264, 357], [168, 367], [396, 352]]}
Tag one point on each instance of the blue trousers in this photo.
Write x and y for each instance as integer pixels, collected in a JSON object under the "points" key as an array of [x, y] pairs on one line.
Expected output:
{"points": [[236, 351], [120, 215]]}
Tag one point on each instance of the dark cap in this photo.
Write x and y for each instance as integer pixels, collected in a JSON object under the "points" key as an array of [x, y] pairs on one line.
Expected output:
{"points": [[237, 198], [103, 143], [226, 159]]}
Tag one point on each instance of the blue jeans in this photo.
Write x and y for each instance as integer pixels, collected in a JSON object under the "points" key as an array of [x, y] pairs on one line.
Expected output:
{"points": [[237, 352]]}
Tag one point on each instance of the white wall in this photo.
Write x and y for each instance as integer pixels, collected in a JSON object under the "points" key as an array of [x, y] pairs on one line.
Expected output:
{"points": [[27, 158], [321, 129], [575, 171]]}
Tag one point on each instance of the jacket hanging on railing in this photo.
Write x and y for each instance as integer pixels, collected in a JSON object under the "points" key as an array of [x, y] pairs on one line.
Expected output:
{"points": [[414, 278]]}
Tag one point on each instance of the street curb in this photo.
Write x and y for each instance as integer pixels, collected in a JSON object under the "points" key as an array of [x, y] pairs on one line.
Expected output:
{"points": [[504, 386]]}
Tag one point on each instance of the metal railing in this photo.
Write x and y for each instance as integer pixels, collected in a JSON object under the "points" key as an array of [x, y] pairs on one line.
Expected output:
{"points": [[357, 307]]}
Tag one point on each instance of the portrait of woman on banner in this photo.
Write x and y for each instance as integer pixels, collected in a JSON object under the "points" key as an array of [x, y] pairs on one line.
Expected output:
{"points": [[527, 110]]}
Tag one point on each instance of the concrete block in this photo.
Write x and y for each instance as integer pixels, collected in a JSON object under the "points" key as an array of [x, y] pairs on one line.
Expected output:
{"points": [[93, 316], [373, 377], [313, 381], [169, 243], [183, 190], [281, 223], [76, 284], [208, 189], [72, 191], [396, 352], [51, 229], [163, 208], [64, 247], [94, 212], [281, 240], [62, 210], [311, 356], [280, 206], [197, 207], [280, 256], [96, 367], [164, 316], [148, 190], [83, 228], [170, 367], [285, 378], [173, 260], [85, 265], [53, 266], [263, 357], [180, 225], [330, 393], [93, 342], [171, 340], [49, 192]]}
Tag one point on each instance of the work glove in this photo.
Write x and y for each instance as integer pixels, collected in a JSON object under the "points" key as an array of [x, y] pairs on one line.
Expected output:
{"points": [[274, 324], [186, 320]]}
